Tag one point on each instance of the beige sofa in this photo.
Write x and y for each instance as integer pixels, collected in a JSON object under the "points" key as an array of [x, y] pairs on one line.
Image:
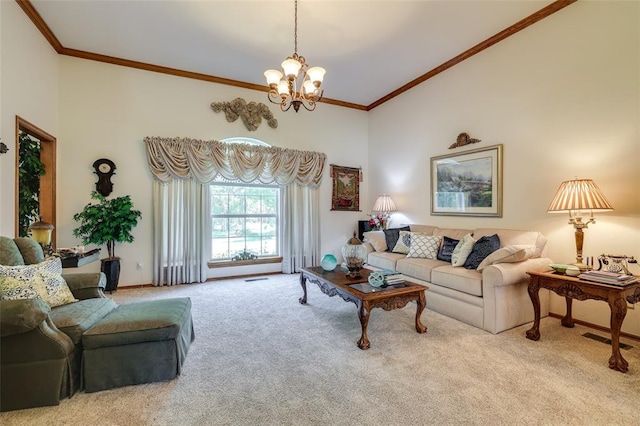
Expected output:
{"points": [[494, 299]]}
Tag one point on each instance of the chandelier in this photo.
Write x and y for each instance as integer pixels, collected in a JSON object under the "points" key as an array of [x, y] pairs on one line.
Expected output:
{"points": [[296, 84]]}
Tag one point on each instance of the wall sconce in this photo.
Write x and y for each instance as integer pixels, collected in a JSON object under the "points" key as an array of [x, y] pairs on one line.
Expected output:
{"points": [[576, 197], [41, 233]]}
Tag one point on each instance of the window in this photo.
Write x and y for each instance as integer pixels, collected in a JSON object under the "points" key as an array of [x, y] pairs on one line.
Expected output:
{"points": [[245, 218]]}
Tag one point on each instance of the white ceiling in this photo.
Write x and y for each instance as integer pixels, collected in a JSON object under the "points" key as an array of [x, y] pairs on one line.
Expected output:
{"points": [[369, 48]]}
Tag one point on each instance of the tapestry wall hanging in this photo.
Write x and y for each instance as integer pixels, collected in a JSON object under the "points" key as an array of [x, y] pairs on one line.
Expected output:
{"points": [[346, 188]]}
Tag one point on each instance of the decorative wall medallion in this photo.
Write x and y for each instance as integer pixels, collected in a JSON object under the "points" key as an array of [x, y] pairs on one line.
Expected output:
{"points": [[464, 139], [251, 113]]}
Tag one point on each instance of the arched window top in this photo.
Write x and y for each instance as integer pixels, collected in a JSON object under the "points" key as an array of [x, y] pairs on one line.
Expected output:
{"points": [[241, 139]]}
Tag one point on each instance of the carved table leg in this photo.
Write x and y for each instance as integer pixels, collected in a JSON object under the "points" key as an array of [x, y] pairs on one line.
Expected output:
{"points": [[534, 332], [303, 299], [363, 314], [567, 321], [421, 302], [618, 312]]}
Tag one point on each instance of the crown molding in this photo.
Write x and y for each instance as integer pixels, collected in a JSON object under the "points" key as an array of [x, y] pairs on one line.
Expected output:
{"points": [[42, 26]]}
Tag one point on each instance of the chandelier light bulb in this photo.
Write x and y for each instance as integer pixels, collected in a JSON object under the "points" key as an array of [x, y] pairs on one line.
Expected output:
{"points": [[273, 77], [283, 88], [291, 68], [316, 74], [309, 87]]}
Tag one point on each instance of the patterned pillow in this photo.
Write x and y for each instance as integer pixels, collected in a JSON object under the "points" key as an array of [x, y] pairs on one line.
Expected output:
{"points": [[462, 250], [404, 243], [424, 246], [45, 278], [481, 249], [392, 235], [14, 289], [448, 244]]}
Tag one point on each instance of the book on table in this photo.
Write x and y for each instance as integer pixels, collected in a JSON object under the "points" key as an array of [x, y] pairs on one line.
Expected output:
{"points": [[606, 277]]}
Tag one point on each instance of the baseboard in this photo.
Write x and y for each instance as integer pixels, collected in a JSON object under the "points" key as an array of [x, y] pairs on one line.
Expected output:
{"points": [[597, 327]]}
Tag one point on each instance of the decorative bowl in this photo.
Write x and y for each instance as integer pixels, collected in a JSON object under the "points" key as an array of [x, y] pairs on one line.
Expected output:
{"points": [[572, 271], [560, 268]]}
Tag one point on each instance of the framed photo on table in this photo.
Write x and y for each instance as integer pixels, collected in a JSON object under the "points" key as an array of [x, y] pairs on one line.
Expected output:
{"points": [[468, 183]]}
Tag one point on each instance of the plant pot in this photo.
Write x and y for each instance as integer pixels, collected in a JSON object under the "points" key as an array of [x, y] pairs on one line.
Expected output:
{"points": [[111, 268]]}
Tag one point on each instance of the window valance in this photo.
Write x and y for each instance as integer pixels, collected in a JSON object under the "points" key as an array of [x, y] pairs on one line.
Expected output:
{"points": [[204, 161]]}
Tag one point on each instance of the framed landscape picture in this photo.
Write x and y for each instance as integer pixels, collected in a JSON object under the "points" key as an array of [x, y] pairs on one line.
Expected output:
{"points": [[467, 183]]}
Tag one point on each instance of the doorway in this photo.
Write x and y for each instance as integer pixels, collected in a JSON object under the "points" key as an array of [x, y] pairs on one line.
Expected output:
{"points": [[45, 195]]}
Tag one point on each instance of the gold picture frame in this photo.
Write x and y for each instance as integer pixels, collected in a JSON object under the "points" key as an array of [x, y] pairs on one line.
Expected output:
{"points": [[468, 183]]}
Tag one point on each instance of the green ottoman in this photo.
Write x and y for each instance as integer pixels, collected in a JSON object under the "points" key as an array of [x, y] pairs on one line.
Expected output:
{"points": [[137, 343]]}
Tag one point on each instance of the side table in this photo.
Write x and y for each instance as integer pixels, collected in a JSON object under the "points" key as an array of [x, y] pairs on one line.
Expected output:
{"points": [[575, 288]]}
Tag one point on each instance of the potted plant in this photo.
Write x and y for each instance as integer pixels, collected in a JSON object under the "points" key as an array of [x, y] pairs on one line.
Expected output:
{"points": [[107, 222]]}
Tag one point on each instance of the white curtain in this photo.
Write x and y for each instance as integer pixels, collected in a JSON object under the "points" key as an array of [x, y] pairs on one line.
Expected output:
{"points": [[184, 167], [300, 228], [182, 231]]}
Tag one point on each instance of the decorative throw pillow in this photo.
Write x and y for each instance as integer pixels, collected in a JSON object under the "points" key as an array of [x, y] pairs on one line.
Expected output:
{"points": [[462, 250], [508, 254], [481, 249], [14, 289], [448, 244], [392, 235], [376, 239], [58, 292], [45, 278], [404, 243], [424, 246]]}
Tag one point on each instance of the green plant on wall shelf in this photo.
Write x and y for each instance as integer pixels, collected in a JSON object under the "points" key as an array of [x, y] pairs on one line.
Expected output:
{"points": [[30, 168], [107, 222]]}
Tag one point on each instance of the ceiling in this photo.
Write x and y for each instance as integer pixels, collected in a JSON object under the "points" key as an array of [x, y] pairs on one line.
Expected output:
{"points": [[369, 48]]}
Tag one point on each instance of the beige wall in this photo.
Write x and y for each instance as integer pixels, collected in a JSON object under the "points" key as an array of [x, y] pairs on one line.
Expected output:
{"points": [[28, 88], [563, 98]]}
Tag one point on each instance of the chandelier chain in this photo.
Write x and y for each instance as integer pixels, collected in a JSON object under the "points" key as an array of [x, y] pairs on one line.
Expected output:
{"points": [[295, 28]]}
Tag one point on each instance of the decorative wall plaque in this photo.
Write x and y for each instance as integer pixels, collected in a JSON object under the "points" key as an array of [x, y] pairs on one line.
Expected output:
{"points": [[464, 139], [251, 113]]}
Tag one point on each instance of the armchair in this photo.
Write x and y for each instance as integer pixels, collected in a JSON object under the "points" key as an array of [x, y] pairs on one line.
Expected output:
{"points": [[40, 346]]}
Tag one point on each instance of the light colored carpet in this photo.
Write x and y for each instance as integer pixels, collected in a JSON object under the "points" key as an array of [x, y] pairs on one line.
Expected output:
{"points": [[262, 358]]}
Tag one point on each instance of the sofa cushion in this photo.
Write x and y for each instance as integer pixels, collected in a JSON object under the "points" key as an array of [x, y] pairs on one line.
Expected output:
{"points": [[465, 280], [76, 318], [462, 250], [423, 229], [31, 251], [384, 260], [15, 289], [481, 249], [448, 245], [508, 254], [9, 253], [509, 237], [456, 234], [418, 268], [424, 246], [376, 239], [392, 235]]}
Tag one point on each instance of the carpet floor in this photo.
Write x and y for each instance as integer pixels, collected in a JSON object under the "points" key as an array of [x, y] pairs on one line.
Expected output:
{"points": [[261, 358]]}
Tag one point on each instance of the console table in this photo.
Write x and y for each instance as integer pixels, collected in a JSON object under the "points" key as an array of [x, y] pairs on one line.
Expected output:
{"points": [[575, 288], [79, 259]]}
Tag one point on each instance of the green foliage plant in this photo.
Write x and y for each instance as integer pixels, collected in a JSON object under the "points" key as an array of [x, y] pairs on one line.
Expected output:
{"points": [[107, 222], [30, 168]]}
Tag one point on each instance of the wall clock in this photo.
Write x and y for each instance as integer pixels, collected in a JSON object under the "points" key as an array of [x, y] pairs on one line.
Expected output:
{"points": [[105, 168]]}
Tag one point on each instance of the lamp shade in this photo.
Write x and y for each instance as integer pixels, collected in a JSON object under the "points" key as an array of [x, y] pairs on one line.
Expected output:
{"points": [[384, 204], [578, 194]]}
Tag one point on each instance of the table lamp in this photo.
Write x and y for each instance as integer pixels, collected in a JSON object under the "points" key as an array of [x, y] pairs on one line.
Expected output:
{"points": [[41, 233], [384, 205], [577, 197]]}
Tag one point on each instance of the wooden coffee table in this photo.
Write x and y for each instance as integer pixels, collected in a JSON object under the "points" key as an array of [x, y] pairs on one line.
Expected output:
{"points": [[337, 283]]}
